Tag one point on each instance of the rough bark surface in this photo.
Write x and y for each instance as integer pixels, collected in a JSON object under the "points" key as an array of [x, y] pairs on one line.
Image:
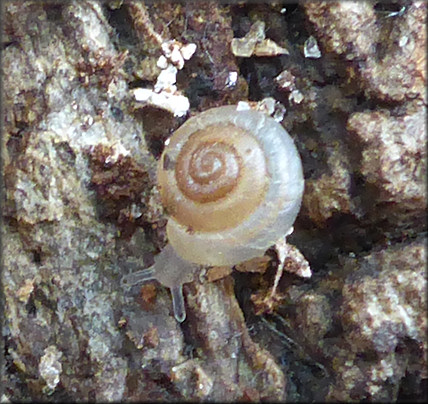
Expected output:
{"points": [[81, 208]]}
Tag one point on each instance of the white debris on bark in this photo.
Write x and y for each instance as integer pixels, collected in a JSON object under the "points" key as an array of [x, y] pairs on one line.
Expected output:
{"points": [[165, 94]]}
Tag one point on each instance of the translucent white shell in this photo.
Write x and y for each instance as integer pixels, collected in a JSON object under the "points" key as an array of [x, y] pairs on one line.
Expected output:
{"points": [[273, 217]]}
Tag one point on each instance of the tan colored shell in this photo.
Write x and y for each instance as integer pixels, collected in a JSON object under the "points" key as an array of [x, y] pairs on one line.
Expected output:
{"points": [[231, 182]]}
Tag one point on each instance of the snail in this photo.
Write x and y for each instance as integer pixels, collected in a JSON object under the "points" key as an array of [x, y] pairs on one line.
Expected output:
{"points": [[231, 182]]}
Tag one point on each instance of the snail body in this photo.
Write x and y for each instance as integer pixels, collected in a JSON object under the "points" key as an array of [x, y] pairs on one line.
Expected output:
{"points": [[231, 182]]}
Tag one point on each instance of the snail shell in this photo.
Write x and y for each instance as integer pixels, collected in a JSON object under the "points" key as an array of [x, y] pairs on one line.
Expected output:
{"points": [[232, 183]]}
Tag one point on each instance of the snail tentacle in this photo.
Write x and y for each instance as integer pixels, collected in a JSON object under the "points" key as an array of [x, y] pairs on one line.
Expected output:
{"points": [[137, 277], [178, 303]]}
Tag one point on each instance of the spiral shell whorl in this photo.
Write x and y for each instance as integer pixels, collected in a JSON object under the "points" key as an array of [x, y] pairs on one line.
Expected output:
{"points": [[211, 200], [206, 171], [232, 184]]}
